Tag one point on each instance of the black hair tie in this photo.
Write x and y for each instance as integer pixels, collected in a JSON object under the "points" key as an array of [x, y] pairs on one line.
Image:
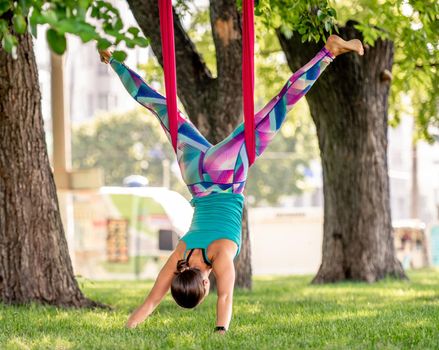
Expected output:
{"points": [[220, 328]]}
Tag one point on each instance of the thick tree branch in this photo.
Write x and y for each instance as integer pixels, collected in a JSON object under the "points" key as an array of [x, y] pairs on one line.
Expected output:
{"points": [[227, 36], [213, 104], [192, 73], [226, 31], [296, 53]]}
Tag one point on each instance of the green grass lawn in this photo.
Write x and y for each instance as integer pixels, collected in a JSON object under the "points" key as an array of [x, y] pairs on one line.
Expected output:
{"points": [[281, 313]]}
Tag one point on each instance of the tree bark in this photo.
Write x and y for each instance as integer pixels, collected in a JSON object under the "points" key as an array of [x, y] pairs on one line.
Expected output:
{"points": [[34, 261], [349, 107], [243, 265], [214, 104]]}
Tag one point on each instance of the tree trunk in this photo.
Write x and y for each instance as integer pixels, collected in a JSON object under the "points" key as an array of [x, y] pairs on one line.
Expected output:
{"points": [[34, 261], [214, 105], [242, 263], [349, 106]]}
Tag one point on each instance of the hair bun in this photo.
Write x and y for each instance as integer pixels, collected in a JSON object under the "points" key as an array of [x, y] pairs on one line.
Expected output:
{"points": [[182, 266]]}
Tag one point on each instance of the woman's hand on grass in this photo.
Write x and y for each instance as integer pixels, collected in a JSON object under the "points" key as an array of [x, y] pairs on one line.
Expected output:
{"points": [[159, 290], [136, 318]]}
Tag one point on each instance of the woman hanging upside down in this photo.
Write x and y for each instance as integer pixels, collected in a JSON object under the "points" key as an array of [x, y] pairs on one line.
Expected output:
{"points": [[216, 176]]}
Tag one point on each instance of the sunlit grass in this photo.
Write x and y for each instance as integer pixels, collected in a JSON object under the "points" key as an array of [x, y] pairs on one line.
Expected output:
{"points": [[280, 313]]}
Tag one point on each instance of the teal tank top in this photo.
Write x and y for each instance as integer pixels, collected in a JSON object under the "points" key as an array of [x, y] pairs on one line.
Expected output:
{"points": [[216, 216]]}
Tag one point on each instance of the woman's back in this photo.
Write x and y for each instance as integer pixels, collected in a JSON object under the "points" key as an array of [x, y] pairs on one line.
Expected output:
{"points": [[216, 216]]}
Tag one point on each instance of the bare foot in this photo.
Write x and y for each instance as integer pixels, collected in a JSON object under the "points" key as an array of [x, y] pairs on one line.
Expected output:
{"points": [[337, 45], [105, 56]]}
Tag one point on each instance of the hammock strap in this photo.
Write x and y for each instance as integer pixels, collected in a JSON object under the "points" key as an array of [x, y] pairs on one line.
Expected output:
{"points": [[248, 38], [169, 68]]}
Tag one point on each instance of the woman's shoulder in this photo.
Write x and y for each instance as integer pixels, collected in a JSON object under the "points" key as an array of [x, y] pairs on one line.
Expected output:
{"points": [[179, 250], [222, 248]]}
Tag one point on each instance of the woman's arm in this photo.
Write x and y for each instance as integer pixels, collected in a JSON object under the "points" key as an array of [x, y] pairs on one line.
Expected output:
{"points": [[159, 290], [224, 271]]}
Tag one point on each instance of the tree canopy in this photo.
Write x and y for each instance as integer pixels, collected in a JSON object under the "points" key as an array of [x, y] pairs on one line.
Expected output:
{"points": [[88, 19], [412, 25]]}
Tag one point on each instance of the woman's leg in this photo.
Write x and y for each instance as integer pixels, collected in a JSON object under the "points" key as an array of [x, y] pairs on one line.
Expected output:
{"points": [[188, 134], [270, 118]]}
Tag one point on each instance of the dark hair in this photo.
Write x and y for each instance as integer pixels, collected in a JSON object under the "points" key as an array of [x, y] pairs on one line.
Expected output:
{"points": [[187, 287]]}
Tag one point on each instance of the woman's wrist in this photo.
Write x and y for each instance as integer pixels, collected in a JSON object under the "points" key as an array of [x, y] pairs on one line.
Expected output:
{"points": [[220, 329]]}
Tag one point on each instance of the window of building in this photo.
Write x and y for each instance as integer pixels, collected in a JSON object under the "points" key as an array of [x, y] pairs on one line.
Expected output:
{"points": [[103, 101], [115, 101], [90, 106]]}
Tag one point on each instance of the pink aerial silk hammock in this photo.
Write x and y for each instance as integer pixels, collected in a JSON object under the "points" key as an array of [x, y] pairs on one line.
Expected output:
{"points": [[168, 52], [248, 80]]}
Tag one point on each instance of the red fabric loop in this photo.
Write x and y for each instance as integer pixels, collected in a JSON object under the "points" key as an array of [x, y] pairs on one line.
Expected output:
{"points": [[169, 68], [168, 53], [248, 38]]}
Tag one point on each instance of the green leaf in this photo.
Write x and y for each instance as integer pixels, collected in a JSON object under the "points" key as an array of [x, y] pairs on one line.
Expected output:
{"points": [[9, 42], [84, 4], [133, 30], [286, 31], [130, 43], [108, 29], [50, 17], [33, 22], [332, 12], [35, 19], [119, 55], [95, 12], [117, 24], [4, 6], [103, 44], [57, 41], [19, 23], [86, 36], [66, 26], [301, 30], [3, 27], [327, 26], [141, 41]]}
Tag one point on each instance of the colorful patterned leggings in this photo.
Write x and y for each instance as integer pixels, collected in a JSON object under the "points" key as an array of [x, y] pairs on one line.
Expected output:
{"points": [[223, 167]]}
